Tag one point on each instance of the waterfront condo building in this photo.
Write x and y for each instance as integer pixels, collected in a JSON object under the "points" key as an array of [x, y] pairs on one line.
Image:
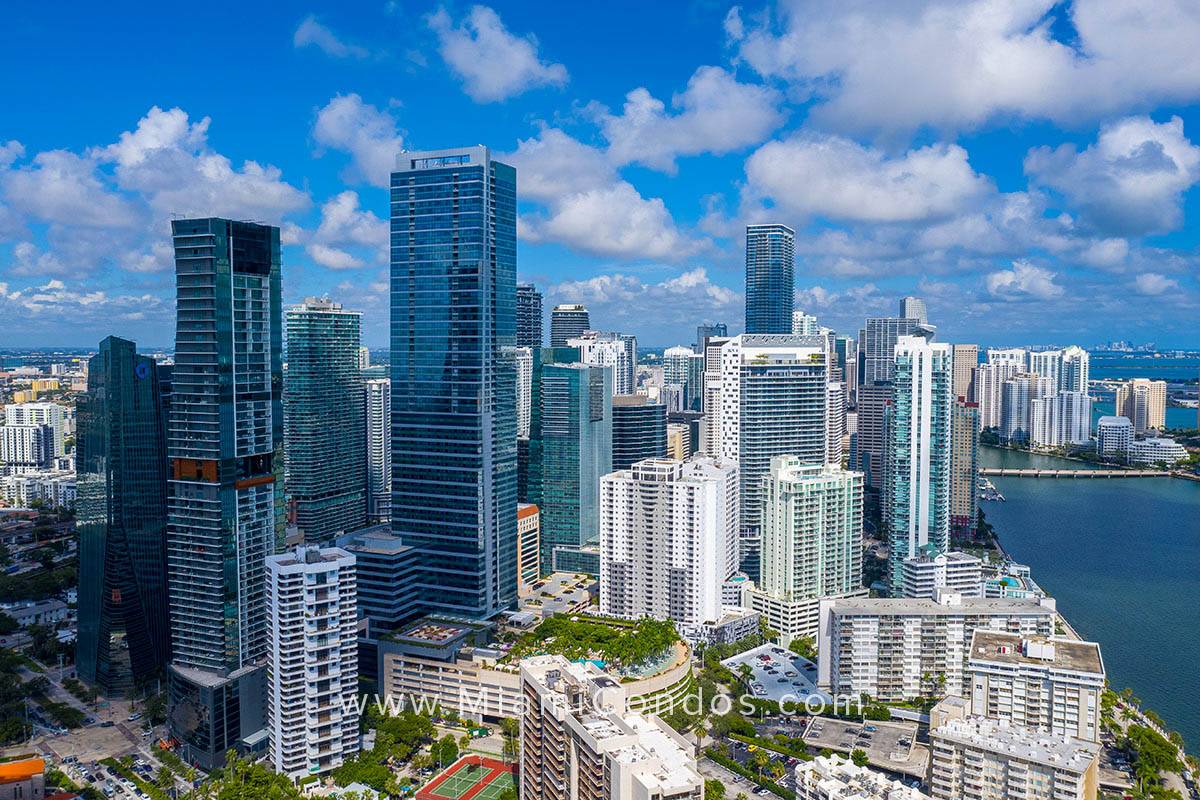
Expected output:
{"points": [[324, 420], [876, 370], [377, 395], [917, 450], [312, 671], [579, 741], [812, 541], [567, 322], [454, 383], [772, 401], [1156, 450], [225, 490], [770, 278], [668, 538], [529, 316], [1016, 356], [929, 572], [964, 468], [121, 515], [974, 758], [1016, 404], [576, 430], [1143, 402], [987, 384], [1113, 437], [1061, 419], [1052, 684], [897, 649], [639, 430]]}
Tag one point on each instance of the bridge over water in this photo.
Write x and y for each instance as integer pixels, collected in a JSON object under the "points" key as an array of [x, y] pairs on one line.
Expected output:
{"points": [[1073, 473]]}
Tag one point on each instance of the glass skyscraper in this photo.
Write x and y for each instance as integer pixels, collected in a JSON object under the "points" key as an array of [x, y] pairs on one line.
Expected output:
{"points": [[325, 420], [121, 518], [453, 336], [529, 316], [576, 451], [639, 430], [225, 490], [917, 453], [568, 322], [770, 278]]}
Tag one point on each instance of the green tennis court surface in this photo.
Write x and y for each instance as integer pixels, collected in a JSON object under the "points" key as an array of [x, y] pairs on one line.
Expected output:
{"points": [[471, 778]]}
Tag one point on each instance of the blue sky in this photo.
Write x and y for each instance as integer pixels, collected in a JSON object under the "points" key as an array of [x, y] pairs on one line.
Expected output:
{"points": [[1028, 167]]}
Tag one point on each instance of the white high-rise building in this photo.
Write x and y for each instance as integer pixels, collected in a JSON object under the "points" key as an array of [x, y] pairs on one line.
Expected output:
{"points": [[1016, 356], [668, 540], [917, 450], [1064, 418], [1074, 373], [988, 382], [913, 308], [929, 572], [804, 324], [1048, 364], [524, 389], [51, 414], [1050, 684], [835, 422], [975, 758], [773, 399], [1143, 402], [895, 649], [378, 395], [1113, 436], [312, 664], [25, 448], [615, 350], [1016, 409], [812, 534]]}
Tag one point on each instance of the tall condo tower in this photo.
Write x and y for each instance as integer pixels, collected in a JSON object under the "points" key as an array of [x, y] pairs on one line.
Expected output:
{"points": [[917, 445], [454, 418], [378, 398], [770, 278], [529, 316], [225, 492], [567, 322], [325, 420], [121, 514]]}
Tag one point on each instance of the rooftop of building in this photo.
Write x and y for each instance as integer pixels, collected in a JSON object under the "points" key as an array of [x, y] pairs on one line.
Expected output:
{"points": [[697, 468], [947, 603], [840, 778], [1013, 648], [928, 554], [21, 770], [526, 510], [309, 554], [1020, 742]]}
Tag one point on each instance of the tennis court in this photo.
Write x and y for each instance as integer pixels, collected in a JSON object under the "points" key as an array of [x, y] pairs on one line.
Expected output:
{"points": [[470, 778]]}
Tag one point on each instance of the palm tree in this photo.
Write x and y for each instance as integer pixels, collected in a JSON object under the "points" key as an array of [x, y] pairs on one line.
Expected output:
{"points": [[760, 759]]}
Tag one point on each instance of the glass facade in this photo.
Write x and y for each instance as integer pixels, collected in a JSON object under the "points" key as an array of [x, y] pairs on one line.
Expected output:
{"points": [[325, 420], [453, 336], [121, 465], [225, 489], [770, 278], [639, 430], [576, 450], [529, 316]]}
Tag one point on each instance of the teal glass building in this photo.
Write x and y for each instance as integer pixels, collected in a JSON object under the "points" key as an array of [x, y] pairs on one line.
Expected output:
{"points": [[121, 520], [770, 278], [639, 430], [225, 488], [453, 336], [325, 420], [576, 434]]}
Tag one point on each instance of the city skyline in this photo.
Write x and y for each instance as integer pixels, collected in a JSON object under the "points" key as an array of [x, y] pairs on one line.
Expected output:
{"points": [[1016, 214]]}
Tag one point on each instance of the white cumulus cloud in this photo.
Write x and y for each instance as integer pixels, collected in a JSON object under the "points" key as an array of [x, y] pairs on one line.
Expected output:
{"points": [[1023, 282], [311, 32], [1153, 283], [493, 63], [366, 133]]}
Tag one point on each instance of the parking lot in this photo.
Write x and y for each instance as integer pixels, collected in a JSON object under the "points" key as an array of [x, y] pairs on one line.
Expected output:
{"points": [[890, 745], [777, 674]]}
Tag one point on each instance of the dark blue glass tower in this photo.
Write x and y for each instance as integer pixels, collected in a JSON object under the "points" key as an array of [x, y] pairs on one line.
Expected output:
{"points": [[122, 520], [770, 278], [454, 422]]}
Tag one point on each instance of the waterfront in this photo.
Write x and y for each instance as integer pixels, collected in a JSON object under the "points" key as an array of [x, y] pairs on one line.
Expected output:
{"points": [[1121, 557]]}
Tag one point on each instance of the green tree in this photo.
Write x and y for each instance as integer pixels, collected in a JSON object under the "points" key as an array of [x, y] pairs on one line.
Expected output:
{"points": [[760, 760], [713, 789], [859, 757]]}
